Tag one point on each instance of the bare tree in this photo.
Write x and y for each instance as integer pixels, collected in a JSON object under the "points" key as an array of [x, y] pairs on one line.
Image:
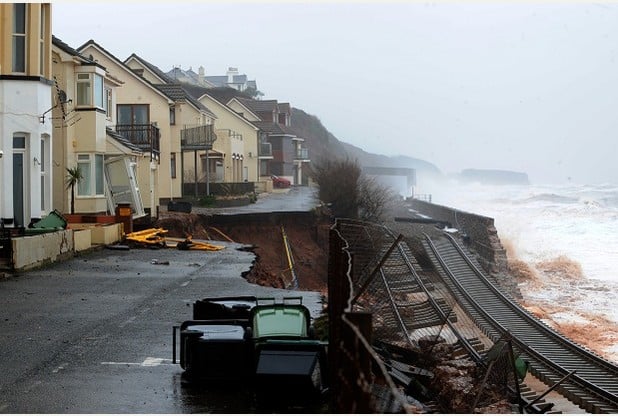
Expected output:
{"points": [[375, 199], [349, 193]]}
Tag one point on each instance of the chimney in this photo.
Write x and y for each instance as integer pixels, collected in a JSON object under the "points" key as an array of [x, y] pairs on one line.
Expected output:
{"points": [[201, 74]]}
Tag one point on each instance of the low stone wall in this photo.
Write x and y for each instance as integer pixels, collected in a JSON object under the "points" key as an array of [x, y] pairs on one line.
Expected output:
{"points": [[481, 237], [37, 250]]}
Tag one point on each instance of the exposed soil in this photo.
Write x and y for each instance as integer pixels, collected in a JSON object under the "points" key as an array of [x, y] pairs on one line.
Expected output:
{"points": [[308, 239]]}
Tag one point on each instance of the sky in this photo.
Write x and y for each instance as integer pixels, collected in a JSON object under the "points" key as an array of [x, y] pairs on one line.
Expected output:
{"points": [[529, 87]]}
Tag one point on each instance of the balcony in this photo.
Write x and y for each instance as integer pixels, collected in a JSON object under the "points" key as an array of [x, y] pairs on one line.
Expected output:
{"points": [[302, 153], [266, 150], [199, 137], [145, 136]]}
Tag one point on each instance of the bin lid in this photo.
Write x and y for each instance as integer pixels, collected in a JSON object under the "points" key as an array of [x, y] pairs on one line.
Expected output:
{"points": [[53, 220], [280, 321]]}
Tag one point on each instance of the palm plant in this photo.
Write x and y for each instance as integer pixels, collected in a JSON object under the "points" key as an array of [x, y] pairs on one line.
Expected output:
{"points": [[74, 175]]}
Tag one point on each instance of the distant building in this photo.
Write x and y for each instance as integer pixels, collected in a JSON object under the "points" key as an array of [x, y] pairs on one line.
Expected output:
{"points": [[231, 79]]}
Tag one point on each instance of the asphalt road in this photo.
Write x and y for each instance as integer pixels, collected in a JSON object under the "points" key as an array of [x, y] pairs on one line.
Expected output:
{"points": [[94, 334]]}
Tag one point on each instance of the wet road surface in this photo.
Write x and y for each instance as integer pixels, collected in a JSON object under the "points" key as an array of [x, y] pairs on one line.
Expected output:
{"points": [[94, 334]]}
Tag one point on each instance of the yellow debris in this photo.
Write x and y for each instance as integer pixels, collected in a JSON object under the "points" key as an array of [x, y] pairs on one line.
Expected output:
{"points": [[149, 236], [154, 236], [189, 244]]}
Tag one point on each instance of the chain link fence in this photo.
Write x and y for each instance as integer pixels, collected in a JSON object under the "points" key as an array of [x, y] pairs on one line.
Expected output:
{"points": [[379, 293]]}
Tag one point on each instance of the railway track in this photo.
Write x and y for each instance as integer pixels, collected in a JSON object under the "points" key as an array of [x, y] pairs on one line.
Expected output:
{"points": [[589, 381]]}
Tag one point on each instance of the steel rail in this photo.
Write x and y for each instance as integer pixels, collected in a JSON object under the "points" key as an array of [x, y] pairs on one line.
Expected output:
{"points": [[547, 350]]}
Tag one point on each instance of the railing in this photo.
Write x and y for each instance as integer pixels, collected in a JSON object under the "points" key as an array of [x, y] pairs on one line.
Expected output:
{"points": [[423, 197], [302, 154], [199, 137], [266, 150], [145, 136]]}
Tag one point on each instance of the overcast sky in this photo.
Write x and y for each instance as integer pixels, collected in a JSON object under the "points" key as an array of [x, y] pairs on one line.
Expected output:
{"points": [[529, 87]]}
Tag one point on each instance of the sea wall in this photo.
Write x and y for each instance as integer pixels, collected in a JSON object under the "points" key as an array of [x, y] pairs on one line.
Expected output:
{"points": [[481, 237]]}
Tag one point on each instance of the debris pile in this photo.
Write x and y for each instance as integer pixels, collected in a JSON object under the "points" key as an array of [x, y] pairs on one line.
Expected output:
{"points": [[155, 237]]}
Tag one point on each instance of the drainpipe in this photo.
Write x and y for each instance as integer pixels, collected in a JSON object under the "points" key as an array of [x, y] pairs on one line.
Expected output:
{"points": [[153, 167], [207, 173]]}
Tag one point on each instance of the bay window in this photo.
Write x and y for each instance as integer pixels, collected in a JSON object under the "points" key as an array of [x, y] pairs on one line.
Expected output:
{"points": [[91, 167], [90, 92]]}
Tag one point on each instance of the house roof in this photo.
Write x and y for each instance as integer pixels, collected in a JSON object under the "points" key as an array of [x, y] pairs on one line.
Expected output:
{"points": [[259, 105], [111, 133], [123, 65], [178, 93], [225, 94], [73, 52], [273, 128], [222, 80], [153, 68], [195, 90]]}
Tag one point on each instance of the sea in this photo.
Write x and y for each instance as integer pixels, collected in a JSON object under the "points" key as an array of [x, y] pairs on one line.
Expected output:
{"points": [[562, 246]]}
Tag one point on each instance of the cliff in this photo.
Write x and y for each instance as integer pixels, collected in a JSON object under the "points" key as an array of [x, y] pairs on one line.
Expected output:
{"points": [[322, 143]]}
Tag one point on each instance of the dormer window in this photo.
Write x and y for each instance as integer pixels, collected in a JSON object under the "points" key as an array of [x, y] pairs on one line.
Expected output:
{"points": [[90, 91]]}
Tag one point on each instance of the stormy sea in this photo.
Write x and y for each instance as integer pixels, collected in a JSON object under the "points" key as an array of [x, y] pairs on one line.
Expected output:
{"points": [[562, 245]]}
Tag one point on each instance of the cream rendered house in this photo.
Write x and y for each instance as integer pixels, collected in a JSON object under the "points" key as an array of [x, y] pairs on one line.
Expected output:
{"points": [[143, 118], [107, 161], [236, 150], [192, 127], [27, 94]]}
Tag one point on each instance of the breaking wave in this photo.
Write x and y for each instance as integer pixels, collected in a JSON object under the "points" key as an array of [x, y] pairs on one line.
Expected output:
{"points": [[554, 198], [561, 267]]}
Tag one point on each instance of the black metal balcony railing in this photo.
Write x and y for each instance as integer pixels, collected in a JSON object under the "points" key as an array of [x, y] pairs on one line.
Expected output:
{"points": [[197, 137], [266, 149], [145, 136], [302, 154]]}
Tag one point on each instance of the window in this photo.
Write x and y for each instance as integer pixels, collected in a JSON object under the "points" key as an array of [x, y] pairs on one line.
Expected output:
{"points": [[42, 65], [172, 115], [92, 175], [133, 114], [98, 91], [19, 37], [19, 142], [108, 102], [85, 85], [173, 165]]}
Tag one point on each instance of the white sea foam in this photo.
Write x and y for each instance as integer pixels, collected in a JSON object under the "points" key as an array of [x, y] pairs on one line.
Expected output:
{"points": [[567, 235]]}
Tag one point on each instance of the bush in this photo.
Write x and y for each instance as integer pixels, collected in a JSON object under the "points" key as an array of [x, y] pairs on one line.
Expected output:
{"points": [[207, 201]]}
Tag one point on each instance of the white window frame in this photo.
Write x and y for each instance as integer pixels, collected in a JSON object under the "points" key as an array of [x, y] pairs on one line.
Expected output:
{"points": [[93, 182], [95, 90]]}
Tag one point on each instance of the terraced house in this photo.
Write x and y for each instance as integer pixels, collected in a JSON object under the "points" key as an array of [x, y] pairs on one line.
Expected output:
{"points": [[84, 138], [193, 159], [26, 87], [142, 116]]}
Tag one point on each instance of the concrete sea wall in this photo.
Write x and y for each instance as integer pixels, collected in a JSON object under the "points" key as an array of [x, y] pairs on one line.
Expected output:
{"points": [[481, 238]]}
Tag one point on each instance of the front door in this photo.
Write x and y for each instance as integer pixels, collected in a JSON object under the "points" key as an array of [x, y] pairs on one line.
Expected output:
{"points": [[120, 175], [19, 180]]}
